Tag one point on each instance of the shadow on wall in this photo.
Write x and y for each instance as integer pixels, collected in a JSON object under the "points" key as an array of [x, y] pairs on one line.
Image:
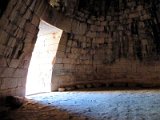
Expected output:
{"points": [[3, 6]]}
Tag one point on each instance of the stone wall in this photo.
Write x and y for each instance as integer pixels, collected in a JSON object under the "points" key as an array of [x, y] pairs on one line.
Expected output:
{"points": [[103, 42], [119, 46], [19, 20]]}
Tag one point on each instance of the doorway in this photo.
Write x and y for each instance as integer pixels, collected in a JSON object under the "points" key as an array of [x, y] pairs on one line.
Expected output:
{"points": [[40, 68]]}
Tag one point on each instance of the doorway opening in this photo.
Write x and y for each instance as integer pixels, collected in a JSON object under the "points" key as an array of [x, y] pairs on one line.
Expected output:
{"points": [[40, 68]]}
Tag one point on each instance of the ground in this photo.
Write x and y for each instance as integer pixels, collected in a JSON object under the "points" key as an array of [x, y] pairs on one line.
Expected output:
{"points": [[91, 105]]}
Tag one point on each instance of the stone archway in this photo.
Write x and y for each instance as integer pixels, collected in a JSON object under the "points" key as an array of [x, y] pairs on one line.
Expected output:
{"points": [[42, 61]]}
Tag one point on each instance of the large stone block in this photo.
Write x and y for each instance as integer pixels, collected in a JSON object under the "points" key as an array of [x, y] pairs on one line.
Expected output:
{"points": [[2, 49], [31, 28], [91, 34], [64, 23], [62, 48], [58, 66], [64, 38], [4, 37], [22, 73], [14, 63], [9, 83], [35, 20], [29, 38], [60, 54], [8, 72]]}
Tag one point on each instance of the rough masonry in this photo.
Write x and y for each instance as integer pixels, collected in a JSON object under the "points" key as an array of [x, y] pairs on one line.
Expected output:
{"points": [[104, 42]]}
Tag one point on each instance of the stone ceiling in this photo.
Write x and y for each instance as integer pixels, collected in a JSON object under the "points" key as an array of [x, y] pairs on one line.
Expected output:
{"points": [[93, 7]]}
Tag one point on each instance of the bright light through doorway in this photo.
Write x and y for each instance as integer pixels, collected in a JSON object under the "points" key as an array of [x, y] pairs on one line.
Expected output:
{"points": [[40, 69]]}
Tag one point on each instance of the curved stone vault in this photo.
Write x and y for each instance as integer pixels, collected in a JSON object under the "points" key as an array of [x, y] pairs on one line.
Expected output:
{"points": [[103, 42]]}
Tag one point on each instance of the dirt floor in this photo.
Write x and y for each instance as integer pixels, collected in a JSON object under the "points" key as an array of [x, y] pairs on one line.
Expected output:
{"points": [[90, 105]]}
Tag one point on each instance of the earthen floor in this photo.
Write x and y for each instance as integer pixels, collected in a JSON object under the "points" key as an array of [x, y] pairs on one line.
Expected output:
{"points": [[91, 105]]}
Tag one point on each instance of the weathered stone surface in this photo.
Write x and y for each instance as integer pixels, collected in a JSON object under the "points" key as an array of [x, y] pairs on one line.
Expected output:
{"points": [[69, 88], [87, 104], [89, 86], [61, 89], [97, 37], [80, 86]]}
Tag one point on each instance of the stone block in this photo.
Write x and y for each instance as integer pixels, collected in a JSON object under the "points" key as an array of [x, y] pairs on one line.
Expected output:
{"points": [[62, 48], [60, 54], [65, 24], [14, 63], [12, 42], [21, 22], [93, 28], [25, 64], [57, 60], [28, 48], [97, 85], [13, 16], [29, 27], [97, 22], [69, 43], [104, 23], [69, 88], [101, 18], [58, 66], [82, 28], [3, 62], [9, 83], [8, 72], [32, 5], [61, 89], [75, 50], [29, 38], [145, 17], [4, 37], [89, 21], [80, 86], [41, 7], [20, 91], [100, 40], [21, 82], [100, 28], [68, 66], [134, 15], [22, 73], [7, 53], [108, 18], [27, 14], [64, 39], [91, 34], [4, 22], [140, 7], [27, 56], [89, 86], [67, 60], [23, 9], [74, 44], [35, 20]]}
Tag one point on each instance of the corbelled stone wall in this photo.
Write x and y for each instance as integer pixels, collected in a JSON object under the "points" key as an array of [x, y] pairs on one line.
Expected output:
{"points": [[19, 20], [118, 46], [103, 42]]}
